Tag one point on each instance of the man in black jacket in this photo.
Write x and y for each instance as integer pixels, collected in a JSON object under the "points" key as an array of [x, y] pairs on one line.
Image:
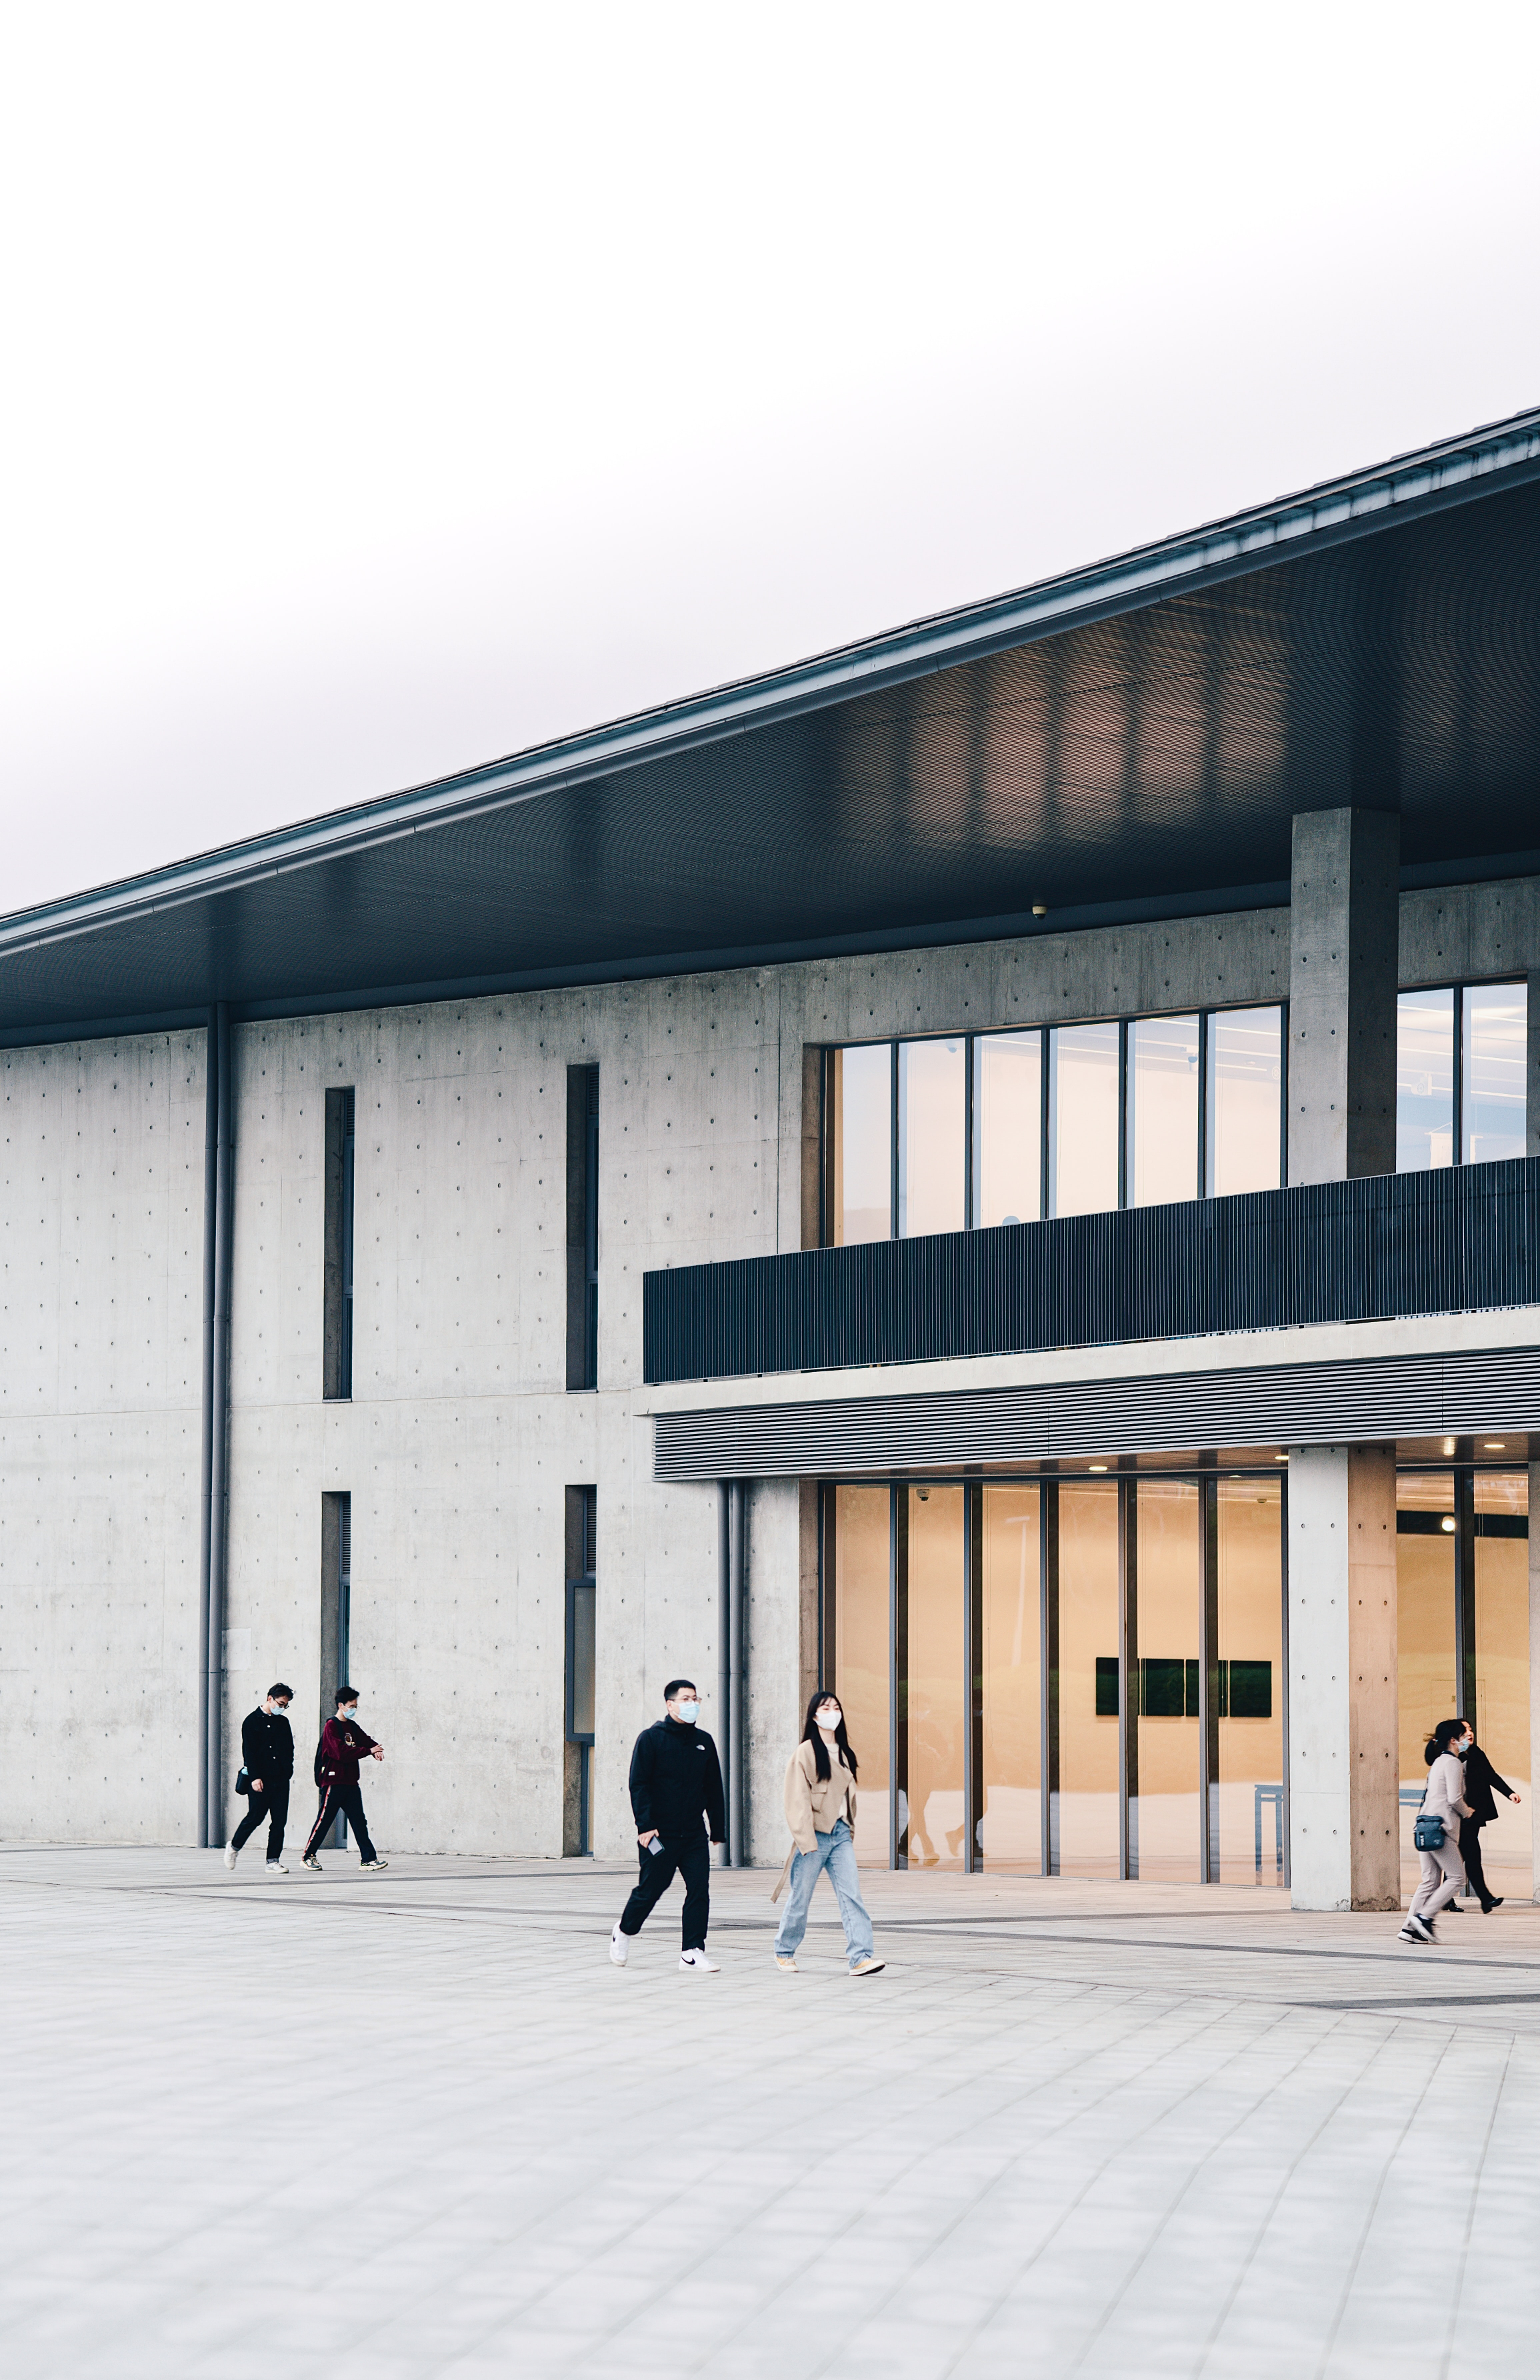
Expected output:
{"points": [[267, 1756], [1480, 1777], [675, 1784]]}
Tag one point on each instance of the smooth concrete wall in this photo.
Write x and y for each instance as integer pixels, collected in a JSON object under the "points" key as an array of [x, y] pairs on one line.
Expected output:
{"points": [[101, 1365], [1344, 1770], [461, 1439]]}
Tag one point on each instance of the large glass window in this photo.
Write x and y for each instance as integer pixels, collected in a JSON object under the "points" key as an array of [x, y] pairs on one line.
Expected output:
{"points": [[856, 1577], [1084, 1814], [1007, 1128], [1162, 1110], [1499, 1561], [1244, 1126], [932, 1621], [861, 1175], [1245, 1795], [1082, 1118], [1165, 1610], [1461, 1053], [1009, 1682], [932, 1140], [995, 1129], [1424, 1081], [1009, 1618], [1492, 1072]]}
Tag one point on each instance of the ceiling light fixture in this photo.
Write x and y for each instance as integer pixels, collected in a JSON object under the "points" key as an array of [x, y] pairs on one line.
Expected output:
{"points": [[1098, 1466], [1448, 1446], [1493, 1445], [1447, 1525]]}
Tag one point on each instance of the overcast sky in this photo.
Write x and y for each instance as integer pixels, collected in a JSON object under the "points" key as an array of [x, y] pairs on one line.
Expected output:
{"points": [[388, 388]]}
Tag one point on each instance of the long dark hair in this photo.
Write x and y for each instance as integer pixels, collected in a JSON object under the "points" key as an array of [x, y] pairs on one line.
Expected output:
{"points": [[813, 1734], [1442, 1739]]}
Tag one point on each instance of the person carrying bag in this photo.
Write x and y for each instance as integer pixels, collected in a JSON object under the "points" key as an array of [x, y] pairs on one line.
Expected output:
{"points": [[1437, 1833], [820, 1812]]}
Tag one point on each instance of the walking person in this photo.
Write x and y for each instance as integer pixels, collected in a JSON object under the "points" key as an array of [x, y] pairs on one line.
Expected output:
{"points": [[676, 1800], [820, 1812], [267, 1763], [1480, 1779], [342, 1744], [1445, 1804]]}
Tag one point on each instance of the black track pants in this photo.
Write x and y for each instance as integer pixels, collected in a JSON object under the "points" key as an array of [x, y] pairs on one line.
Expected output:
{"points": [[350, 1802], [1470, 1852], [691, 1856], [273, 1806]]}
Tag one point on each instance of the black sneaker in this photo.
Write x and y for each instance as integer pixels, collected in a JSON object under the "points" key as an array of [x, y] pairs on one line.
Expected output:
{"points": [[1496, 1902]]}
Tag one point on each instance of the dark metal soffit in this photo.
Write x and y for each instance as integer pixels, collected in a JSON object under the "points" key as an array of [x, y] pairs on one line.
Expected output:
{"points": [[728, 791]]}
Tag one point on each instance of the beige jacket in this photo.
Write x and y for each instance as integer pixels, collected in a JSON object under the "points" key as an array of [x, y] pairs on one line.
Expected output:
{"points": [[814, 1805]]}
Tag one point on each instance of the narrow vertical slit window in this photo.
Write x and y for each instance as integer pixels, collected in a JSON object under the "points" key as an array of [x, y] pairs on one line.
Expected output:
{"points": [[1495, 1025], [861, 1143], [581, 1672], [336, 1614], [338, 1236], [582, 1227]]}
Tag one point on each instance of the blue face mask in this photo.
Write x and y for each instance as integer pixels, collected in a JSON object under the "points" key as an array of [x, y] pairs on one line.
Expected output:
{"points": [[688, 1714]]}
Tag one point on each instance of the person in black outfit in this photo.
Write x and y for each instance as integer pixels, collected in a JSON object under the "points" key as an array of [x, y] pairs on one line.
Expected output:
{"points": [[1480, 1777], [675, 1783], [267, 1758]]}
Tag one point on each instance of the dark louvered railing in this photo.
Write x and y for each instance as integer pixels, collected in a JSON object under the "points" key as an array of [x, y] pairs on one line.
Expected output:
{"points": [[1456, 1240]]}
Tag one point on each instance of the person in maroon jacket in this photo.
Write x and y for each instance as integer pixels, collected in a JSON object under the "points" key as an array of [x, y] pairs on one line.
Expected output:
{"points": [[342, 1744]]}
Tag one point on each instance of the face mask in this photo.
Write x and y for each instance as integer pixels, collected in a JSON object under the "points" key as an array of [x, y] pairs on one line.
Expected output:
{"points": [[279, 1710], [825, 1721], [688, 1714], [349, 1715]]}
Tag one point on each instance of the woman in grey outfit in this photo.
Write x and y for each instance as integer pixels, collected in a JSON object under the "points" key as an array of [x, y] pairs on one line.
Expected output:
{"points": [[1443, 1869]]}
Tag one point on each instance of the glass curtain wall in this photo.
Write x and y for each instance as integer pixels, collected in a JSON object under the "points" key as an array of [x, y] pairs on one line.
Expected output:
{"points": [[1001, 1632], [1163, 1081], [1007, 1125], [1084, 1167], [932, 1136], [1244, 1107], [861, 1171], [1463, 1609], [1460, 1075]]}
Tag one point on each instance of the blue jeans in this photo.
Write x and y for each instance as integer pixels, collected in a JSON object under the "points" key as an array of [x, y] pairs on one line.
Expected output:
{"points": [[837, 1853]]}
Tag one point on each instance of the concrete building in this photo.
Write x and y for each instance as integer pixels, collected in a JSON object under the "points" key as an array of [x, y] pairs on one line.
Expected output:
{"points": [[998, 1167]]}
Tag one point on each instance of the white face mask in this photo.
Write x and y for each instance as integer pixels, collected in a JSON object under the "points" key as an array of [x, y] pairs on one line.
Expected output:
{"points": [[827, 1724], [278, 1710], [688, 1714]]}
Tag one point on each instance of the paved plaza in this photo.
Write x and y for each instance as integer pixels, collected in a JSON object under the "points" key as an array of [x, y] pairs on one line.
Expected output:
{"points": [[418, 2124]]}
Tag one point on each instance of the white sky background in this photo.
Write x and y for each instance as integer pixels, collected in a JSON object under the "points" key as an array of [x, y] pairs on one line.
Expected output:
{"points": [[383, 388]]}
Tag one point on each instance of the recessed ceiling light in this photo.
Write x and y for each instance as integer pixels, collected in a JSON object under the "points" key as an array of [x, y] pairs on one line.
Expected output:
{"points": [[1098, 1466], [1281, 1458], [1447, 1525], [1493, 1445]]}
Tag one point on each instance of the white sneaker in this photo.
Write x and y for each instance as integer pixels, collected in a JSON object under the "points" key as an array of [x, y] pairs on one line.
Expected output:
{"points": [[230, 1854], [276, 1867], [619, 1949], [698, 1963]]}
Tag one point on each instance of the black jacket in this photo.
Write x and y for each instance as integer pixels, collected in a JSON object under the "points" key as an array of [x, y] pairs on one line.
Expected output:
{"points": [[676, 1780], [266, 1746], [1480, 1777]]}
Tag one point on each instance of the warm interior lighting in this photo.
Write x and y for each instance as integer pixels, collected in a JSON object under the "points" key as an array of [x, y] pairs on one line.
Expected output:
{"points": [[1448, 1446], [1493, 1445], [1447, 1525], [1281, 1458], [1098, 1466]]}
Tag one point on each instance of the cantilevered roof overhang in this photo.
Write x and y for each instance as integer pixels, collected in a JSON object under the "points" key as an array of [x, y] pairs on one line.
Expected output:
{"points": [[1129, 740]]}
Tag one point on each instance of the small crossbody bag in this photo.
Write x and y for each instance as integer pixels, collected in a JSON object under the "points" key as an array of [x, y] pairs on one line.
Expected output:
{"points": [[1428, 1831]]}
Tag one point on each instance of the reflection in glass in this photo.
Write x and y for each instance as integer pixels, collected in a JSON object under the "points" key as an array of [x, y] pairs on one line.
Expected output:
{"points": [[1424, 1081], [1500, 1556], [1492, 1071], [1244, 1101], [1010, 1826], [1425, 1626], [1086, 1828], [583, 1598], [861, 1673], [932, 1137], [1007, 1128], [1082, 1118], [932, 1816], [1162, 1110], [1245, 1803], [1164, 1739], [860, 1202]]}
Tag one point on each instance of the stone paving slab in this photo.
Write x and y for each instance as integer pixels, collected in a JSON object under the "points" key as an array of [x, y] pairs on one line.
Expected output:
{"points": [[418, 2124]]}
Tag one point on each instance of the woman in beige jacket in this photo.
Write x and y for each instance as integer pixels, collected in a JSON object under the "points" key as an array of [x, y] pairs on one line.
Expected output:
{"points": [[1443, 1869], [820, 1812]]}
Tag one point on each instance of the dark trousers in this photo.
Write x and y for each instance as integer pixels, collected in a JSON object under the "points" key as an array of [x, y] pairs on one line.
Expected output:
{"points": [[1470, 1852], [691, 1857], [271, 1805], [350, 1802]]}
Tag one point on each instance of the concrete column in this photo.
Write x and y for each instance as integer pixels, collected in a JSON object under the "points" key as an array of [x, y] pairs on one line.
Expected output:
{"points": [[1343, 1767], [1343, 926], [1534, 1660]]}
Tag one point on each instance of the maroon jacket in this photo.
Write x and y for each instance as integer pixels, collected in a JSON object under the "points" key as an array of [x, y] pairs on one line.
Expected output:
{"points": [[342, 1746]]}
